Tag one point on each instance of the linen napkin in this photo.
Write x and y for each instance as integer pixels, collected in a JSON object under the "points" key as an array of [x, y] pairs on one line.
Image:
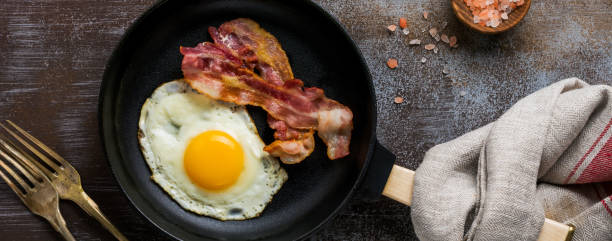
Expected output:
{"points": [[550, 155]]}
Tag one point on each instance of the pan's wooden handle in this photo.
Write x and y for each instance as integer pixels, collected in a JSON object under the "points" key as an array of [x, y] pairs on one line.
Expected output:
{"points": [[399, 188], [399, 185]]}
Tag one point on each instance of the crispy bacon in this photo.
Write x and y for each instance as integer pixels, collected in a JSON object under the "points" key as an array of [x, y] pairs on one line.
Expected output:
{"points": [[211, 73], [260, 50], [292, 150], [283, 131], [217, 70]]}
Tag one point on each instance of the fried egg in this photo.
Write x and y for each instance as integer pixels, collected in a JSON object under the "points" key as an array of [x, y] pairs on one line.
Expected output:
{"points": [[206, 154]]}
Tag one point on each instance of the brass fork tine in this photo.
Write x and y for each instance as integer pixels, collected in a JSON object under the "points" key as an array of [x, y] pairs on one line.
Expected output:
{"points": [[32, 149], [40, 144], [35, 168], [27, 173], [66, 180], [10, 171], [42, 199], [10, 183]]}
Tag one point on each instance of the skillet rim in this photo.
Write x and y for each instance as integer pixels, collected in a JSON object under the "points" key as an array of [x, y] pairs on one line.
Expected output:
{"points": [[109, 141]]}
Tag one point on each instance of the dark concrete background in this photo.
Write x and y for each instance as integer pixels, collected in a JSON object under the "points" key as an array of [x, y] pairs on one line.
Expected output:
{"points": [[53, 56]]}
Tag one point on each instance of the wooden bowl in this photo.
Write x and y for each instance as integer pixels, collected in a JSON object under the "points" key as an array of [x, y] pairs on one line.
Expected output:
{"points": [[464, 15]]}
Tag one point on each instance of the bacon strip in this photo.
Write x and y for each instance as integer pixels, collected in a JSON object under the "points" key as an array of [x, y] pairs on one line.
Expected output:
{"points": [[260, 50], [256, 47], [291, 145], [208, 70], [216, 71]]}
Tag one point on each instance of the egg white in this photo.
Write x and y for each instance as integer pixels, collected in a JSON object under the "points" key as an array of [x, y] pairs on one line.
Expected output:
{"points": [[173, 115]]}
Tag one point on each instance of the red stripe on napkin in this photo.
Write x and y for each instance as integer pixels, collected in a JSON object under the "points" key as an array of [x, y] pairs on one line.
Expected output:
{"points": [[603, 201], [588, 152], [600, 169]]}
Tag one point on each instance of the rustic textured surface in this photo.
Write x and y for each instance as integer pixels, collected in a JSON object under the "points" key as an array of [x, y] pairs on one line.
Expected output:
{"points": [[53, 56]]}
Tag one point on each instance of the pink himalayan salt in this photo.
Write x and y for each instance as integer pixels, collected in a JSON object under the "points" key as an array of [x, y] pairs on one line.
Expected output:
{"points": [[492, 12]]}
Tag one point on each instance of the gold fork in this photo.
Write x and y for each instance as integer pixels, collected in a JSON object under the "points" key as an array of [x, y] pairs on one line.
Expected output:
{"points": [[65, 179], [41, 198]]}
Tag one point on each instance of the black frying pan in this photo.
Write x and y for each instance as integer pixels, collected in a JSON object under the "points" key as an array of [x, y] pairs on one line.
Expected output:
{"points": [[321, 54]]}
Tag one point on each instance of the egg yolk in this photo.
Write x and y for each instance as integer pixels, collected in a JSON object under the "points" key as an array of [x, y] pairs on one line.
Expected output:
{"points": [[213, 160]]}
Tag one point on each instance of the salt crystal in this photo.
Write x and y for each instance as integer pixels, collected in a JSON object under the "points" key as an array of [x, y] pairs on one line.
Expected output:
{"points": [[405, 31], [462, 93], [444, 24], [430, 46], [423, 60], [403, 23], [445, 38], [453, 41], [392, 63], [435, 50], [494, 23], [398, 100], [433, 32], [504, 16], [392, 28], [445, 70], [414, 42]]}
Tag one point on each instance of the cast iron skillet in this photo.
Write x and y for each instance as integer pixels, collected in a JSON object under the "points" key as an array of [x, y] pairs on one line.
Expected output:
{"points": [[321, 54]]}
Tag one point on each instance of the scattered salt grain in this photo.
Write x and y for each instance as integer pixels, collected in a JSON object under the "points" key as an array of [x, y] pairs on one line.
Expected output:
{"points": [[392, 63], [435, 50], [405, 31], [391, 28], [398, 100], [445, 70], [403, 23], [462, 93], [444, 24], [414, 42], [430, 46], [453, 41], [445, 38], [434, 34], [423, 60]]}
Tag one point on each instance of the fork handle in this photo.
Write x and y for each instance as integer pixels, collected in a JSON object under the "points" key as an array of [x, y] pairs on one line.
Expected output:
{"points": [[58, 223], [91, 208]]}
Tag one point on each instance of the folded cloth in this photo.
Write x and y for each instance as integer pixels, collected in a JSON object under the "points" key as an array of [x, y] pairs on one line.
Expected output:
{"points": [[550, 156]]}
